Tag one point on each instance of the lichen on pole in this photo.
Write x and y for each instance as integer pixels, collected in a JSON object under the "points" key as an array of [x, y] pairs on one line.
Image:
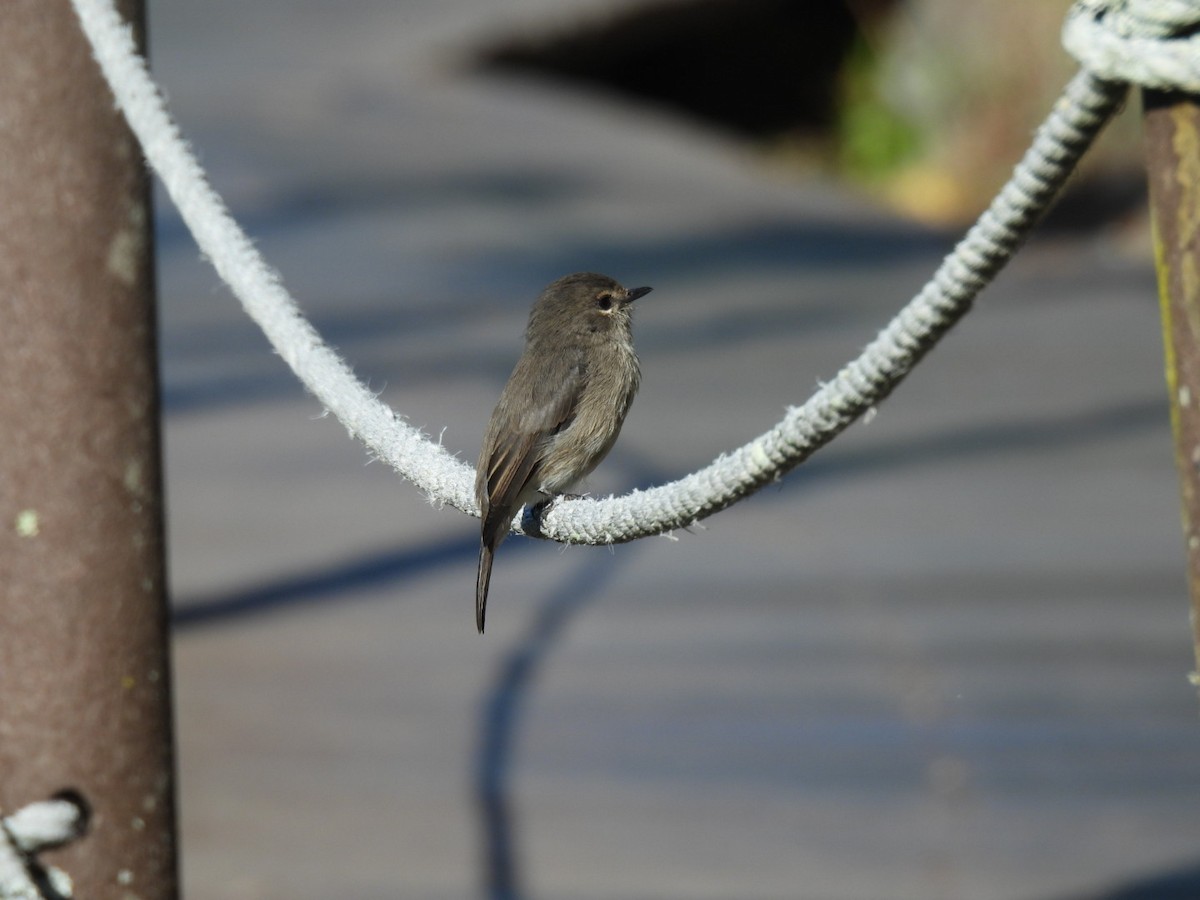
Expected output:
{"points": [[84, 664]]}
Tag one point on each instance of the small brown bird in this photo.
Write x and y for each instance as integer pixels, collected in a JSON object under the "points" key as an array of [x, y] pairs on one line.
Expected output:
{"points": [[562, 408]]}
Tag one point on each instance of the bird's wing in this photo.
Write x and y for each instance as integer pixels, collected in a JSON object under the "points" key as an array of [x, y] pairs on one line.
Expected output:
{"points": [[519, 435]]}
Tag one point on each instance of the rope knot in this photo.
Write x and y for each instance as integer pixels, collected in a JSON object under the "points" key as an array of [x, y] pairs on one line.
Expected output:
{"points": [[1149, 43], [28, 831]]}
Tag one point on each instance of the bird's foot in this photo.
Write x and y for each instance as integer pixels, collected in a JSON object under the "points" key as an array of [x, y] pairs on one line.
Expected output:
{"points": [[531, 521]]}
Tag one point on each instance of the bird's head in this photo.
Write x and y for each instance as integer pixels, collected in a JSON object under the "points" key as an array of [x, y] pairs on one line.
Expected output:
{"points": [[582, 304]]}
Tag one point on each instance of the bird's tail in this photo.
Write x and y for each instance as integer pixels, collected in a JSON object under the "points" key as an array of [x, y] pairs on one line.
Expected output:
{"points": [[482, 581]]}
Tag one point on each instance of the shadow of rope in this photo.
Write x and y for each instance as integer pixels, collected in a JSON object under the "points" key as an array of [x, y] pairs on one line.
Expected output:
{"points": [[501, 717]]}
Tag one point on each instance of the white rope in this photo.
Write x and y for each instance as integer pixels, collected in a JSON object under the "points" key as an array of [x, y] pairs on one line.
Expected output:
{"points": [[1086, 105], [408, 450], [1080, 113], [27, 832], [1151, 43]]}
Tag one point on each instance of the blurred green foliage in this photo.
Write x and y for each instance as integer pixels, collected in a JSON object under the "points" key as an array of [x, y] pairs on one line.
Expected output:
{"points": [[873, 138]]}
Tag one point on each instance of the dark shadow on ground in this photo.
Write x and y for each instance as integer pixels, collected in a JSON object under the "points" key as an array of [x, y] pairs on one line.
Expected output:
{"points": [[1180, 884], [323, 585], [501, 718]]}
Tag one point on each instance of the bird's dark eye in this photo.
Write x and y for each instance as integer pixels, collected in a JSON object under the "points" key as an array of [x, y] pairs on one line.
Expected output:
{"points": [[604, 301]]}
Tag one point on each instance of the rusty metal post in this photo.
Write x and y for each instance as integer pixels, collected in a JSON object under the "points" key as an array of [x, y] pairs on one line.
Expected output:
{"points": [[1172, 128], [84, 664]]}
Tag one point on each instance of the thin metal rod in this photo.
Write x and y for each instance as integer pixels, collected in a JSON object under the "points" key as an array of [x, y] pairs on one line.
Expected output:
{"points": [[84, 663], [1172, 129]]}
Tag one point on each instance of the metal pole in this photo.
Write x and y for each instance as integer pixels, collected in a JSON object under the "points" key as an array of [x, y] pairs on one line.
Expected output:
{"points": [[1172, 128], [84, 665]]}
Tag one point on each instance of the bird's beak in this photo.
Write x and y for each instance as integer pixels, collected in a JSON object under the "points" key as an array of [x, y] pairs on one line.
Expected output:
{"points": [[633, 293]]}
